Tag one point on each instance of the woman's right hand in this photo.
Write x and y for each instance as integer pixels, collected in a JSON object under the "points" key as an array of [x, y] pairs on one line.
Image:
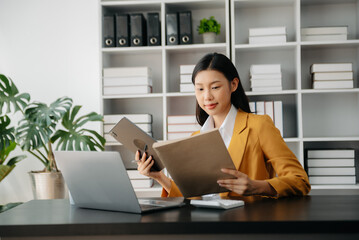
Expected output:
{"points": [[145, 164]]}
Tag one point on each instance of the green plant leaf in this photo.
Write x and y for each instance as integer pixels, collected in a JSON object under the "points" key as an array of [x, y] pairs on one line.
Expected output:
{"points": [[6, 133], [15, 160], [74, 137], [209, 25], [10, 98], [4, 153], [46, 115], [32, 135]]}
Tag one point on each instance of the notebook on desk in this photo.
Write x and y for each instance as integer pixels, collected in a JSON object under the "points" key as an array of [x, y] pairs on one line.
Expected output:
{"points": [[99, 180]]}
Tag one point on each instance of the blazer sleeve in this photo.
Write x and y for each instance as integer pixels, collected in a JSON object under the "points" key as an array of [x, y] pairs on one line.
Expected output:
{"points": [[174, 191], [291, 178]]}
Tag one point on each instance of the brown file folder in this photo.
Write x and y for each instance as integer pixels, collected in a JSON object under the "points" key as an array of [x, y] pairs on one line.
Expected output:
{"points": [[195, 163]]}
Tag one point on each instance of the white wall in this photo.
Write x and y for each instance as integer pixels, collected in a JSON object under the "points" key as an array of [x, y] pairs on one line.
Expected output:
{"points": [[50, 49]]}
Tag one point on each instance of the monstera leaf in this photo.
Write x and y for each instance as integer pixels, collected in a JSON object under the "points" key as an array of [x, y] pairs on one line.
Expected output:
{"points": [[75, 137], [39, 123], [10, 96], [5, 169], [6, 132]]}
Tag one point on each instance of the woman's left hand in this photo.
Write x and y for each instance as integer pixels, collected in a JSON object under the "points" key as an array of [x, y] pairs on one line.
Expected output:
{"points": [[241, 184], [245, 186]]}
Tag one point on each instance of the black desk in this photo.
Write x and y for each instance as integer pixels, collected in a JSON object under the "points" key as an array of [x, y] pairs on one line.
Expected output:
{"points": [[324, 217]]}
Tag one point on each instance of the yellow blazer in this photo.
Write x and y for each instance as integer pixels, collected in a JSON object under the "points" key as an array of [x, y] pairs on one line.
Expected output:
{"points": [[258, 150]]}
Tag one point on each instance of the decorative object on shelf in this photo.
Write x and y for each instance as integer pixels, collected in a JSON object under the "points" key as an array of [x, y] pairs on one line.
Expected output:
{"points": [[209, 28], [11, 101], [36, 133]]}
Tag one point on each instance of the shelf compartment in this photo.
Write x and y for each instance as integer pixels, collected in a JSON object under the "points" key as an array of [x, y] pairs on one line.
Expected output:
{"points": [[334, 145], [328, 54], [331, 13], [200, 10], [290, 116], [137, 59], [181, 105], [153, 106], [260, 14], [330, 115], [244, 58]]}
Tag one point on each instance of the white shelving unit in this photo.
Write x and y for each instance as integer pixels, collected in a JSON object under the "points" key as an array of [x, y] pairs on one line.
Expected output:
{"points": [[312, 118], [164, 61]]}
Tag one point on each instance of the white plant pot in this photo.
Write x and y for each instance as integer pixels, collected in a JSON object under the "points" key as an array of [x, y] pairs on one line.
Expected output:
{"points": [[48, 185], [209, 37]]}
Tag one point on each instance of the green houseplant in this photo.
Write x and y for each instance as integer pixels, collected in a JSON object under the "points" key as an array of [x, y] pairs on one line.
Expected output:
{"points": [[37, 132], [11, 101], [209, 28]]}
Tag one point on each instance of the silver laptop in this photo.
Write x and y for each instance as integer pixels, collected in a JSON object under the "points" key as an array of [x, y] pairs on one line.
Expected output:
{"points": [[99, 180]]}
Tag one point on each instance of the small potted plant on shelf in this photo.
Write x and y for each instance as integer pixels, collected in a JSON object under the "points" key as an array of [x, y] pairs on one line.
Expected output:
{"points": [[37, 132], [209, 28]]}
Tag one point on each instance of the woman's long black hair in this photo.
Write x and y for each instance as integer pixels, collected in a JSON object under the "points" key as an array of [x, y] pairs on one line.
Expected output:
{"points": [[220, 63]]}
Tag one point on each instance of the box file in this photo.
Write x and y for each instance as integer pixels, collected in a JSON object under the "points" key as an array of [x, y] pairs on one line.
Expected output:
{"points": [[185, 27], [138, 29], [109, 31], [153, 29], [172, 29], [122, 30]]}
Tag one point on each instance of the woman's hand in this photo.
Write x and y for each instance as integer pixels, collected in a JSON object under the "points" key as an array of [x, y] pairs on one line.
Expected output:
{"points": [[144, 165], [245, 186]]}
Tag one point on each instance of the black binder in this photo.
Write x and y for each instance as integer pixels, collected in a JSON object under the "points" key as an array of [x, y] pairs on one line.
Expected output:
{"points": [[122, 30], [185, 27], [172, 28], [108, 29], [138, 29], [153, 29]]}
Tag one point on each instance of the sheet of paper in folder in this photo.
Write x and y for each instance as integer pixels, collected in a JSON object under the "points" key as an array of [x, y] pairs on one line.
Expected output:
{"points": [[195, 162]]}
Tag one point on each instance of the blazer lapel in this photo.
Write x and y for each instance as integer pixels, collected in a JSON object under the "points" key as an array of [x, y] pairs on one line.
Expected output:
{"points": [[239, 138]]}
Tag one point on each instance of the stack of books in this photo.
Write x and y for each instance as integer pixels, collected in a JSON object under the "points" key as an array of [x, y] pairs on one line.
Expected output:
{"points": [[127, 80], [143, 121], [324, 33], [138, 180], [266, 77], [181, 126], [332, 75], [332, 166], [267, 35], [186, 84], [274, 109]]}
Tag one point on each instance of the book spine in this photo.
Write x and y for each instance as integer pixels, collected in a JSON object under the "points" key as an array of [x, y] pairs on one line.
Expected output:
{"points": [[183, 128], [127, 81], [267, 76], [142, 183], [268, 109], [332, 180], [333, 76], [268, 39], [186, 69], [339, 37], [324, 30], [266, 83], [265, 69], [333, 84], [260, 107], [124, 90], [127, 72], [339, 162], [182, 119], [331, 67], [135, 118], [333, 171], [278, 115], [267, 31], [266, 89], [331, 153], [252, 107]]}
